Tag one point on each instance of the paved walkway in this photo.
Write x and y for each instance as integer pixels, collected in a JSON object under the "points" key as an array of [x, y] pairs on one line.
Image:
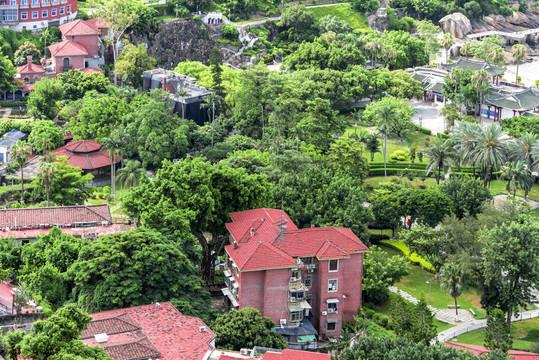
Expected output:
{"points": [[430, 116]]}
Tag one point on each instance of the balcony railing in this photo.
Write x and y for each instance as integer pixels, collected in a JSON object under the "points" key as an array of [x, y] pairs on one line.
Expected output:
{"points": [[63, 1], [9, 7], [35, 5], [24, 6], [46, 4]]}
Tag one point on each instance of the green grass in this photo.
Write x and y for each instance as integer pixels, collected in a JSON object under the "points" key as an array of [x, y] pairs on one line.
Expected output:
{"points": [[166, 17], [343, 12], [415, 283], [83, 5], [535, 213], [519, 331]]}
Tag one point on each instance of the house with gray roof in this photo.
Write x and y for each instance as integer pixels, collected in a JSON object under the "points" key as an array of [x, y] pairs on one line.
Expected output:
{"points": [[474, 65], [7, 141]]}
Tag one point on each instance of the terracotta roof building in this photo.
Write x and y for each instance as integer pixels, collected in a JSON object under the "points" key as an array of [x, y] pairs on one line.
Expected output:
{"points": [[289, 354], [306, 280], [89, 156], [481, 350], [86, 221], [155, 331], [30, 72]]}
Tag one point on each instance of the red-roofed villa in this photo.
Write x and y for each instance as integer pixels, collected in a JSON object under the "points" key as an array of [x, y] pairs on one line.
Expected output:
{"points": [[481, 350], [155, 331], [88, 156], [306, 280]]}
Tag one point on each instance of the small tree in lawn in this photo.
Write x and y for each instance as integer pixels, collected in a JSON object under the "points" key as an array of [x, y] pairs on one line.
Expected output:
{"points": [[497, 334], [451, 278], [19, 154], [130, 175], [372, 143], [423, 328]]}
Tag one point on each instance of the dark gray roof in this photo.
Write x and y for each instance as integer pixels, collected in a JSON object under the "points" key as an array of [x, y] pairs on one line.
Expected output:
{"points": [[519, 101], [305, 328], [467, 64], [430, 79], [12, 137]]}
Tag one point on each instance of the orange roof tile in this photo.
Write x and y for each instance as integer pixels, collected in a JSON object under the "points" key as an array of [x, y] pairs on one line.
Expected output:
{"points": [[67, 48], [289, 354], [98, 23], [257, 255], [30, 68], [78, 27]]}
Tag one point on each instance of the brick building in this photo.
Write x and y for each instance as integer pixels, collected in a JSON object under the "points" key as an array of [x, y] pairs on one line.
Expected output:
{"points": [[35, 15], [306, 280]]}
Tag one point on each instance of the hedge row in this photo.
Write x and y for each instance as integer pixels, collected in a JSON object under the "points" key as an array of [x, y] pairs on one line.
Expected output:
{"points": [[413, 258], [398, 165], [423, 130]]}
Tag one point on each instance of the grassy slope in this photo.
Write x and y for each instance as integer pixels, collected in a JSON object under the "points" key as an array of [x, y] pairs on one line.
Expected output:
{"points": [[343, 12], [519, 331]]}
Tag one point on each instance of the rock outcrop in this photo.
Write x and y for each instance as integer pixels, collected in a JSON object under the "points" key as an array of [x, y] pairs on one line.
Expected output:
{"points": [[457, 24]]}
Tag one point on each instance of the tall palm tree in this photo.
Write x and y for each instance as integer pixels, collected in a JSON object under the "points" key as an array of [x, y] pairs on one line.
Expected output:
{"points": [[44, 37], [451, 279], [130, 175], [183, 93], [480, 83], [496, 55], [375, 48], [517, 174], [385, 117], [442, 154], [465, 139], [19, 154], [523, 148], [372, 143], [447, 41], [491, 150], [466, 49], [46, 174], [518, 52], [112, 146]]}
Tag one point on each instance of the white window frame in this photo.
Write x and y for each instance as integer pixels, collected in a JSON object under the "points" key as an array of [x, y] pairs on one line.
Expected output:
{"points": [[44, 13], [54, 12], [329, 265], [333, 307], [331, 321], [292, 316], [24, 15], [62, 10], [13, 2], [24, 2], [336, 285], [308, 279], [68, 8], [36, 13]]}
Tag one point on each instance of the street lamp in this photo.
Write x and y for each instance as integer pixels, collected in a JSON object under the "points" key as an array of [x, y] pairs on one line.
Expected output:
{"points": [[430, 288], [420, 120]]}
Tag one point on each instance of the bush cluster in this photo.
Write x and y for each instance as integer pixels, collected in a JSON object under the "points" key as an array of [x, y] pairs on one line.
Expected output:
{"points": [[413, 258]]}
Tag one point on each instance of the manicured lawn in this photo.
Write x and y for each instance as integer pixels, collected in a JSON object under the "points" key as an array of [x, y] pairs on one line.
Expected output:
{"points": [[83, 5], [519, 332], [375, 180], [415, 284], [343, 12], [535, 213], [166, 17]]}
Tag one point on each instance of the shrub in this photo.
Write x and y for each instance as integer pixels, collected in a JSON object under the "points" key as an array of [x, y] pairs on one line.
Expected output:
{"points": [[399, 155], [229, 31], [376, 238], [534, 348], [413, 258], [196, 17], [380, 319], [423, 130], [533, 335]]}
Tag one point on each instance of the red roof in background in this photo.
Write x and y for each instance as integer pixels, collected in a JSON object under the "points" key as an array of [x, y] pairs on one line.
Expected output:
{"points": [[61, 216], [147, 331], [30, 68], [227, 357], [78, 27], [91, 232], [28, 87], [91, 71], [67, 48], [85, 154], [68, 137], [288, 354], [267, 239], [97, 23], [480, 350]]}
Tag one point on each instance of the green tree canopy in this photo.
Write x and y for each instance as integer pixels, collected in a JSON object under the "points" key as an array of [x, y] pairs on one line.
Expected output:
{"points": [[77, 84], [44, 98], [497, 334], [132, 62], [45, 135], [27, 49], [246, 328], [466, 193]]}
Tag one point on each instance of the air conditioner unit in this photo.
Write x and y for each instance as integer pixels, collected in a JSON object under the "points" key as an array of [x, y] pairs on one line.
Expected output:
{"points": [[282, 321], [246, 352], [310, 270], [324, 313], [293, 279], [292, 298], [202, 329]]}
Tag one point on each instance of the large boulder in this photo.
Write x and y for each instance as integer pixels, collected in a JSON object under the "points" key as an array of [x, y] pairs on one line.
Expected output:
{"points": [[457, 24]]}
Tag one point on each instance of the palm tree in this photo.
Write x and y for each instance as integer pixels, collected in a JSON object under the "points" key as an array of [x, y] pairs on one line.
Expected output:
{"points": [[517, 174], [496, 54], [183, 93], [491, 149], [441, 154], [46, 174], [19, 154], [480, 83], [466, 49], [372, 143], [375, 48], [112, 145], [44, 37], [130, 175], [523, 148], [518, 52], [385, 117], [448, 40], [465, 139], [451, 279]]}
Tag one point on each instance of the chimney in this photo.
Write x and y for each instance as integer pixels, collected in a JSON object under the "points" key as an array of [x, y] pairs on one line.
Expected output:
{"points": [[252, 232], [312, 226], [158, 306], [29, 59], [235, 245], [164, 82]]}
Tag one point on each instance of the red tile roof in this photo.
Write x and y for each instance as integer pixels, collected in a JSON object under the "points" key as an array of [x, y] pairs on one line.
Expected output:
{"points": [[91, 71], [78, 27], [288, 354], [261, 233], [85, 154], [480, 350], [67, 48], [90, 232], [30, 68], [98, 23], [28, 218], [147, 331]]}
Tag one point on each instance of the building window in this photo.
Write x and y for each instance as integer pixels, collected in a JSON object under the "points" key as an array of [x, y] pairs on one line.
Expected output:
{"points": [[331, 325], [333, 265], [24, 2], [10, 15], [307, 260], [35, 2], [62, 11], [332, 285], [53, 12], [295, 316], [308, 281], [68, 8], [300, 295], [332, 307], [13, 2], [26, 80], [44, 1], [296, 274], [24, 15], [34, 14], [45, 13]]}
